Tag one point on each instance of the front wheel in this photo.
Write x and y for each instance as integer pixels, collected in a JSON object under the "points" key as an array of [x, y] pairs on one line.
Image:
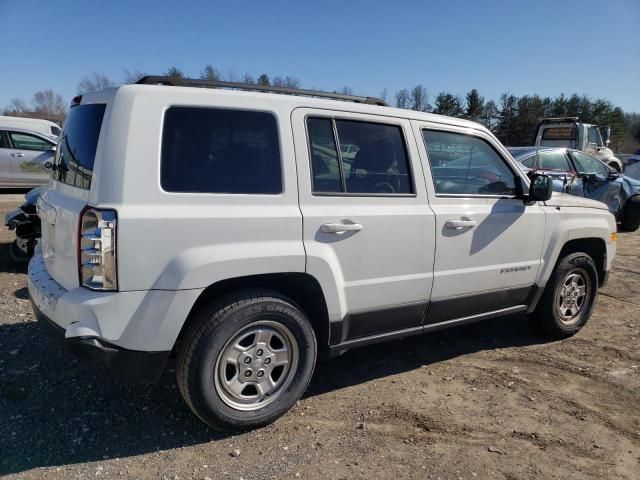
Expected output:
{"points": [[569, 297], [246, 360]]}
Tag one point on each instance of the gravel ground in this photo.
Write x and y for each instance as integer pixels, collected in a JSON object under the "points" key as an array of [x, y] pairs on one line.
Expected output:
{"points": [[491, 400]]}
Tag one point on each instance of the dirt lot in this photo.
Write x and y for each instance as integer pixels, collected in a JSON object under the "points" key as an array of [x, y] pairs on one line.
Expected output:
{"points": [[491, 400]]}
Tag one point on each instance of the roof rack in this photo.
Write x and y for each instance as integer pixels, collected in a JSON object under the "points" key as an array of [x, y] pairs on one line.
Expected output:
{"points": [[560, 120], [190, 82]]}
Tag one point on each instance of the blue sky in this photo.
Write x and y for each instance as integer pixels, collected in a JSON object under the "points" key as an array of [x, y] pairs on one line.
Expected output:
{"points": [[521, 47]]}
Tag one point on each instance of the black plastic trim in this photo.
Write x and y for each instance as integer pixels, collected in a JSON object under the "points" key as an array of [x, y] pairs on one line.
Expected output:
{"points": [[459, 307], [400, 317], [365, 328], [135, 365]]}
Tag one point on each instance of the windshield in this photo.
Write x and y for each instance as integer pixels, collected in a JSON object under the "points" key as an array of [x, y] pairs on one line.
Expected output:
{"points": [[77, 145]]}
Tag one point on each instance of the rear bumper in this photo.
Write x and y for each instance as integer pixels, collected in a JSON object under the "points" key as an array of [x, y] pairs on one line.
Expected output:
{"points": [[131, 364]]}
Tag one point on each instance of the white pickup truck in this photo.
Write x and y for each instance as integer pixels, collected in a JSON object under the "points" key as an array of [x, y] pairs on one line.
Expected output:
{"points": [[228, 229]]}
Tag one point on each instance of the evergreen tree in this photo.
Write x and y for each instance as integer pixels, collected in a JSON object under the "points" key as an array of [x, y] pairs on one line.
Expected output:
{"points": [[507, 119], [448, 104], [174, 72], [474, 106]]}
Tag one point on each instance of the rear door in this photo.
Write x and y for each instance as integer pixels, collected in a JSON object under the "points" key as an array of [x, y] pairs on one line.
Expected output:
{"points": [[60, 205], [367, 226], [488, 242]]}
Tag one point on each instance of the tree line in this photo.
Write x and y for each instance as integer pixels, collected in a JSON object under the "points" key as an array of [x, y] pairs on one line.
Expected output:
{"points": [[511, 118]]}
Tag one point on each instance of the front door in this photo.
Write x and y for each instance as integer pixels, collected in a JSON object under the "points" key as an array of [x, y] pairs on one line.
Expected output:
{"points": [[596, 181], [28, 155], [488, 242], [367, 227]]}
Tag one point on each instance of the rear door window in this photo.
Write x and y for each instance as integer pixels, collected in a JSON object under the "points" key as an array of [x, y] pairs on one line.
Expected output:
{"points": [[552, 161], [76, 150], [358, 157], [210, 150]]}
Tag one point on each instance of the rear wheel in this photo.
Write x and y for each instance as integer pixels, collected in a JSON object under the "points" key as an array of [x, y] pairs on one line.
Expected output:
{"points": [[569, 297], [246, 360], [631, 215]]}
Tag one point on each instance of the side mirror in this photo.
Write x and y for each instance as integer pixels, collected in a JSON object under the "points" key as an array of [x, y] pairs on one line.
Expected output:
{"points": [[541, 188]]}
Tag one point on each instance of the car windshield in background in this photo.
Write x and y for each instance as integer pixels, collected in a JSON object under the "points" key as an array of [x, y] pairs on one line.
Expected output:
{"points": [[77, 146]]}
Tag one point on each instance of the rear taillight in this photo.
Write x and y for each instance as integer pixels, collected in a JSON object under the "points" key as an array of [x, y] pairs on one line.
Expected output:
{"points": [[97, 249]]}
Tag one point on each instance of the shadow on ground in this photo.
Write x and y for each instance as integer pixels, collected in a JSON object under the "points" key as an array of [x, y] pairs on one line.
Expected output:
{"points": [[56, 411]]}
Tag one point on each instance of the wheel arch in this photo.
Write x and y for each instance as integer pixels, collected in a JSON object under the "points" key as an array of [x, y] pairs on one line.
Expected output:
{"points": [[301, 288], [595, 247]]}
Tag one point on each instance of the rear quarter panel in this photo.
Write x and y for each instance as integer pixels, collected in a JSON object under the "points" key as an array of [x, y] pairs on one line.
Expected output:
{"points": [[176, 241]]}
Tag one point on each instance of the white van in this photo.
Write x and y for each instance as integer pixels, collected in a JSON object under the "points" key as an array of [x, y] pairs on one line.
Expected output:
{"points": [[226, 228], [43, 127]]}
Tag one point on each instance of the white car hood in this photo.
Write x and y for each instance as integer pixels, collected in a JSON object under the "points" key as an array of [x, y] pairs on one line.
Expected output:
{"points": [[565, 200]]}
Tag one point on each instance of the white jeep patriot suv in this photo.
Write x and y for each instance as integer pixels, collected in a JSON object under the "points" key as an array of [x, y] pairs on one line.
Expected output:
{"points": [[230, 229]]}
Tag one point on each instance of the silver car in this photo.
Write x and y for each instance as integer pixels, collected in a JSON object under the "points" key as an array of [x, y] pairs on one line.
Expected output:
{"points": [[23, 155]]}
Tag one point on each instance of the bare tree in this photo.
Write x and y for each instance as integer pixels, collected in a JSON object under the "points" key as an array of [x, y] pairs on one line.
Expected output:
{"points": [[402, 98], [384, 94], [346, 90], [231, 76], [248, 78], [49, 105], [16, 107], [132, 76], [94, 82], [419, 99], [209, 72], [288, 82]]}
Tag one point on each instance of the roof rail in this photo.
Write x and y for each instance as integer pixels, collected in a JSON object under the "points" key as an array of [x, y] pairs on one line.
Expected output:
{"points": [[190, 82]]}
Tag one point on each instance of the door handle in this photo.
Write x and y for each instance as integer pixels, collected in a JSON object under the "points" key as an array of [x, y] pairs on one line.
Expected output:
{"points": [[460, 224], [18, 154], [341, 227]]}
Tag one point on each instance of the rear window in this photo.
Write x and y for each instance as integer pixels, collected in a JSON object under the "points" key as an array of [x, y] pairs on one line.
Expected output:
{"points": [[559, 133], [76, 150], [211, 150]]}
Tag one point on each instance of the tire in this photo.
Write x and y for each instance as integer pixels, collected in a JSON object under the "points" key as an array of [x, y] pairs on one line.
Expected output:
{"points": [[616, 166], [17, 255], [631, 216], [556, 316], [261, 326]]}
